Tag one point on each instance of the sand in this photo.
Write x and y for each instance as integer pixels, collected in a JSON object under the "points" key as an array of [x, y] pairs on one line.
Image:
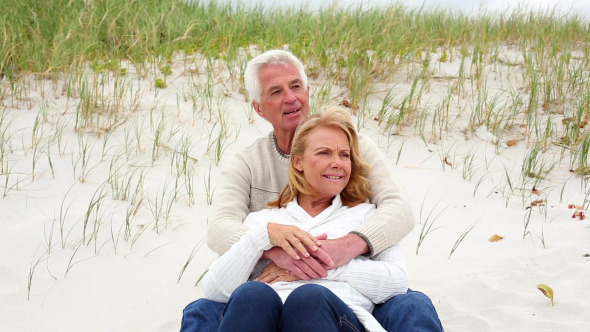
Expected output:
{"points": [[55, 277]]}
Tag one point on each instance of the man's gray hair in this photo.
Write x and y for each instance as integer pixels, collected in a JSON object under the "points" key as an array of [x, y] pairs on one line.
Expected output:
{"points": [[269, 58]]}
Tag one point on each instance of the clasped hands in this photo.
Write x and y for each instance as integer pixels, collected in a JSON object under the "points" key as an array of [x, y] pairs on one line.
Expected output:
{"points": [[299, 255]]}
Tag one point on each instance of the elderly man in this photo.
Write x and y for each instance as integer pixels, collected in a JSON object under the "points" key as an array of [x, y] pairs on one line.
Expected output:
{"points": [[277, 84]]}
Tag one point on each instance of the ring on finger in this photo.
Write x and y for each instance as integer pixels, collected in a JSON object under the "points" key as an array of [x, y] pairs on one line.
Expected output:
{"points": [[276, 275]]}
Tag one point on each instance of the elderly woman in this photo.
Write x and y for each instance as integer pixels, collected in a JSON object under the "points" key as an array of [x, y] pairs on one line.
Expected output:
{"points": [[326, 196]]}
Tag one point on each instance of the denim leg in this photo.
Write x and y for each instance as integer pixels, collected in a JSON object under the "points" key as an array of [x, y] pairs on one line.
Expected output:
{"points": [[315, 308], [412, 311], [202, 315], [254, 306]]}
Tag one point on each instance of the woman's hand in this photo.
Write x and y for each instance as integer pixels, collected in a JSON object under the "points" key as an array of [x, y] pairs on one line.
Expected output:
{"points": [[273, 273], [292, 237]]}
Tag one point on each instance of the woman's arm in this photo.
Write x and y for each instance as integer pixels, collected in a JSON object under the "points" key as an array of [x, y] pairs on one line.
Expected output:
{"points": [[235, 266], [379, 278]]}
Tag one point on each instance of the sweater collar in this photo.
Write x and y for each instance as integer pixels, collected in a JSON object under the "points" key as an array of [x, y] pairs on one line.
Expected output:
{"points": [[274, 141], [295, 210]]}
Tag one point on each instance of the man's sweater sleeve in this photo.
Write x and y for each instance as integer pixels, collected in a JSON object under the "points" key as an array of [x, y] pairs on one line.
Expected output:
{"points": [[394, 218], [232, 203]]}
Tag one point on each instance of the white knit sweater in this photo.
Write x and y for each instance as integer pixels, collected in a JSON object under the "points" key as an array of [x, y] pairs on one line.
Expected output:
{"points": [[257, 175], [360, 284]]}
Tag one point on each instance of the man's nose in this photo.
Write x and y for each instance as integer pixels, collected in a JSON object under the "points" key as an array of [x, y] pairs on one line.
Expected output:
{"points": [[289, 96]]}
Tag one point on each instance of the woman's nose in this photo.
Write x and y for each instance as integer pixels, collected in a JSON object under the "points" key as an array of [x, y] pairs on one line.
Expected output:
{"points": [[336, 162]]}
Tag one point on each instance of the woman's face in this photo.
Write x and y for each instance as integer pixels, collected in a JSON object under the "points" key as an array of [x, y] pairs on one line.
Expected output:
{"points": [[325, 163]]}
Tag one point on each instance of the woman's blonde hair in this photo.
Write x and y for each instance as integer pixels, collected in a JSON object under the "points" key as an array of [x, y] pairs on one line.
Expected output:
{"points": [[357, 190]]}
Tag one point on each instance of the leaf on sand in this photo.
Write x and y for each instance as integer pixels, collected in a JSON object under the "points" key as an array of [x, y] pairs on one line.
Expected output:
{"points": [[511, 142], [579, 214], [574, 206], [547, 291], [496, 238]]}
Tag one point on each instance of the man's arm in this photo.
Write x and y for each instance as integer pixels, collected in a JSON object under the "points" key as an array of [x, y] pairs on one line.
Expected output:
{"points": [[394, 218], [232, 203], [332, 254], [343, 250]]}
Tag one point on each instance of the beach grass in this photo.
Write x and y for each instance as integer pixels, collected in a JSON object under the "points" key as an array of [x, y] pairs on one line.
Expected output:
{"points": [[93, 42]]}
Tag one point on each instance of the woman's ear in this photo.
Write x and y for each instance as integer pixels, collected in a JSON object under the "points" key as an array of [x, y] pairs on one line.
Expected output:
{"points": [[297, 164]]}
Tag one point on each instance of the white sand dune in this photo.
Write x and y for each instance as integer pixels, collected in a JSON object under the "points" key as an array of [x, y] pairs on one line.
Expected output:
{"points": [[99, 280]]}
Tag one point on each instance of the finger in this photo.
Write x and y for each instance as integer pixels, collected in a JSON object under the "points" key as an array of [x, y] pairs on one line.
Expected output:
{"points": [[286, 277], [267, 270], [289, 250], [273, 275], [296, 271], [265, 276], [323, 257], [319, 270], [310, 243], [323, 236], [295, 242], [265, 279], [304, 265]]}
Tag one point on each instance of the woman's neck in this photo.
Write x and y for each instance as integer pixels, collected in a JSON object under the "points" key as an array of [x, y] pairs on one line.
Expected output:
{"points": [[314, 206]]}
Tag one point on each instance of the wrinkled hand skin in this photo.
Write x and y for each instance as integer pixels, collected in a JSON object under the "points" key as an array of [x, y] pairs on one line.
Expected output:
{"points": [[273, 273], [306, 268], [332, 254], [292, 239], [343, 250]]}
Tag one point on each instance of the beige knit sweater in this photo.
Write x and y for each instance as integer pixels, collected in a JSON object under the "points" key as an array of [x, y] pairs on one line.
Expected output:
{"points": [[257, 175]]}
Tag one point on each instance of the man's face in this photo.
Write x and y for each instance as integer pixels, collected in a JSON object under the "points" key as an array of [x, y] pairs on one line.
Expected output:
{"points": [[284, 100]]}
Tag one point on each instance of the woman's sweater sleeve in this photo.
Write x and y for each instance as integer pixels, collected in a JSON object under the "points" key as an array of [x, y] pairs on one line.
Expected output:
{"points": [[235, 266], [379, 278], [394, 218]]}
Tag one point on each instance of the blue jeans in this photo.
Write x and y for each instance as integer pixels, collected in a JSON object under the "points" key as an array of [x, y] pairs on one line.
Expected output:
{"points": [[255, 306], [412, 311]]}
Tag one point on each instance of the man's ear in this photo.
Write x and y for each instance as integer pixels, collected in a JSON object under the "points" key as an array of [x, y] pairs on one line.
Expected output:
{"points": [[257, 108], [297, 164]]}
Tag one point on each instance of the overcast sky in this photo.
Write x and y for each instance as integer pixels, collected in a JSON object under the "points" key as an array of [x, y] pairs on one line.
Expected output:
{"points": [[581, 7]]}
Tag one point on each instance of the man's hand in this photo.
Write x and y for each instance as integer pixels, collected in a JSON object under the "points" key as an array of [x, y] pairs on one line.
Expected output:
{"points": [[343, 250], [292, 237], [306, 268], [273, 273]]}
